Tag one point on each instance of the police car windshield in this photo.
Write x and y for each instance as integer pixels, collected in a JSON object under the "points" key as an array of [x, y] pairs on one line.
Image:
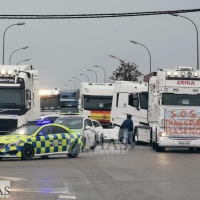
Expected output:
{"points": [[72, 123], [180, 99], [25, 130]]}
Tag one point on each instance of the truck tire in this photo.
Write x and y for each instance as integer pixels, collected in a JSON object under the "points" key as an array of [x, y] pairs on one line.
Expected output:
{"points": [[153, 145], [136, 137], [157, 148]]}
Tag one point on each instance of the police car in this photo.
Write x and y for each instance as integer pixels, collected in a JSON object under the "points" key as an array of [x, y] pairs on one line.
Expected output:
{"points": [[33, 140]]}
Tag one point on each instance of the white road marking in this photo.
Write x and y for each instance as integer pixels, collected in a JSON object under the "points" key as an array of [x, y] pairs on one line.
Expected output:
{"points": [[42, 190], [66, 197]]}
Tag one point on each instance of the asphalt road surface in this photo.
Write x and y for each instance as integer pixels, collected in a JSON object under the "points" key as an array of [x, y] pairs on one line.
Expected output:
{"points": [[140, 174]]}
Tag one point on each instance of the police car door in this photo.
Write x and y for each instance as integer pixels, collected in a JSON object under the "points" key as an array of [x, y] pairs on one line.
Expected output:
{"points": [[60, 140], [44, 141]]}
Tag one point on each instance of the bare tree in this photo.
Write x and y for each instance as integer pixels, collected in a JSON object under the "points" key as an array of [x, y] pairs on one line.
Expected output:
{"points": [[127, 71]]}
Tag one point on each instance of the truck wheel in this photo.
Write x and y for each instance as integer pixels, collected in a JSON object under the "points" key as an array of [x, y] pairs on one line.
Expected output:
{"points": [[136, 137], [153, 145], [27, 152], [159, 149]]}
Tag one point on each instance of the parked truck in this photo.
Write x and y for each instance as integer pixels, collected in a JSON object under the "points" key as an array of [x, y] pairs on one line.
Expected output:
{"points": [[130, 98], [19, 96], [50, 102], [173, 109]]}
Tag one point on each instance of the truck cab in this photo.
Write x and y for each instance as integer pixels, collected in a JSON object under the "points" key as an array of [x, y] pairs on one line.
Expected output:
{"points": [[129, 98], [50, 102], [173, 113], [19, 96]]}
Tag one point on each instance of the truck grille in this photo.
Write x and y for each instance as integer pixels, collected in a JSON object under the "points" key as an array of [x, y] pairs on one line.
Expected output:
{"points": [[2, 145], [7, 125]]}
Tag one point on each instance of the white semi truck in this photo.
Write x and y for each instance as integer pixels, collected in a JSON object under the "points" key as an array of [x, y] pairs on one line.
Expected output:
{"points": [[19, 96], [96, 101], [174, 109], [50, 102], [130, 98]]}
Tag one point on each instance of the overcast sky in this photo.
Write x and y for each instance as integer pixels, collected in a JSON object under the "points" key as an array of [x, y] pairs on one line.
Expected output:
{"points": [[61, 49]]}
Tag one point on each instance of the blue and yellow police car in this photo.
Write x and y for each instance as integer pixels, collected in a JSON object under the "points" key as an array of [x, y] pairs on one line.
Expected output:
{"points": [[43, 140]]}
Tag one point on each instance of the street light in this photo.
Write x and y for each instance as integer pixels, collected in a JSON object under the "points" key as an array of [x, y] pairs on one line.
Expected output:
{"points": [[15, 51], [77, 79], [94, 72], [86, 76], [116, 58], [146, 49], [120, 75], [74, 84], [22, 61], [104, 72], [18, 24], [69, 87], [176, 15]]}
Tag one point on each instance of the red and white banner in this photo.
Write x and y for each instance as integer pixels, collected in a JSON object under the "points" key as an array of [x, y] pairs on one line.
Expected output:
{"points": [[182, 122]]}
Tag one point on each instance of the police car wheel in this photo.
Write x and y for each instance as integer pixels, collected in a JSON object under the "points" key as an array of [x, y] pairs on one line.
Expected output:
{"points": [[27, 152], [44, 157], [73, 151]]}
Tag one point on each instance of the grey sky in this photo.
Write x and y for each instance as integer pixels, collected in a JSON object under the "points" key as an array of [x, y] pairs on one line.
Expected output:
{"points": [[61, 49]]}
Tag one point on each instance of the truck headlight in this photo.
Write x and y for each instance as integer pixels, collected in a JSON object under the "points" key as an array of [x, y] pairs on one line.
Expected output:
{"points": [[162, 134], [14, 144]]}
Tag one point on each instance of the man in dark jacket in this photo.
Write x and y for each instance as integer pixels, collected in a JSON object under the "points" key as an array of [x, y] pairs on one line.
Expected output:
{"points": [[128, 127]]}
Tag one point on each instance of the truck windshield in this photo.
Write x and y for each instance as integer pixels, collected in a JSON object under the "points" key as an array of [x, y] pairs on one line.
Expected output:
{"points": [[180, 99], [97, 102], [12, 98], [50, 103]]}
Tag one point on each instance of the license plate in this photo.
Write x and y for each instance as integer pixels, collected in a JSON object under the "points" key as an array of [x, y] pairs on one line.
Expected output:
{"points": [[184, 142]]}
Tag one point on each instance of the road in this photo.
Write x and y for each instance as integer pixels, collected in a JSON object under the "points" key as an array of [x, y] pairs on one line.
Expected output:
{"points": [[140, 174]]}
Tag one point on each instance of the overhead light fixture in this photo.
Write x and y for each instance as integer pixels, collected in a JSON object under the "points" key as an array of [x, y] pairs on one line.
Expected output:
{"points": [[175, 73], [169, 73]]}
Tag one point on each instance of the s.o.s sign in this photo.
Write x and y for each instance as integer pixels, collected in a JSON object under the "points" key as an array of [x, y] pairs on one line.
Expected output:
{"points": [[180, 82], [4, 189]]}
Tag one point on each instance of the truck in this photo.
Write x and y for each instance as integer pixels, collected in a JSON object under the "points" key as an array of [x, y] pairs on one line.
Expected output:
{"points": [[68, 102], [50, 101], [130, 98], [95, 101], [19, 96], [174, 109]]}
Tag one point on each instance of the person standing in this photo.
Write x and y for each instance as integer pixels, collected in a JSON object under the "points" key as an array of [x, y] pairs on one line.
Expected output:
{"points": [[128, 128]]}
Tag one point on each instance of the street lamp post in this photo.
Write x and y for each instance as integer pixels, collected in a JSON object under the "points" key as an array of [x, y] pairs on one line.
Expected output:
{"points": [[94, 72], [86, 76], [69, 87], [77, 79], [14, 52], [74, 84], [22, 61], [18, 24], [176, 15], [104, 72], [120, 75], [116, 58], [146, 49]]}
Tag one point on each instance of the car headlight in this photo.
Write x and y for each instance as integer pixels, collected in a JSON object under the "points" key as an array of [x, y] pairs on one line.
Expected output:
{"points": [[14, 144], [162, 134]]}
